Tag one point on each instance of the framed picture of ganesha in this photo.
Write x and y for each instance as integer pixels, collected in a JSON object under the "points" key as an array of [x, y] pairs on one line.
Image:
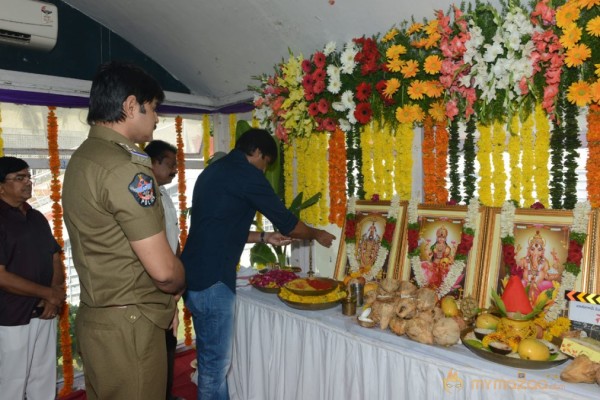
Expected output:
{"points": [[443, 249], [543, 254], [371, 237]]}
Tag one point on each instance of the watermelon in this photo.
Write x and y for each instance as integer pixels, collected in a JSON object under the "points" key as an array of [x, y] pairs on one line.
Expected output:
{"points": [[515, 297]]}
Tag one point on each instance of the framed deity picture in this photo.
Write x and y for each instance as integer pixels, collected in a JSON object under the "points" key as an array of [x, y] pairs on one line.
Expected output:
{"points": [[543, 252], [371, 233], [443, 248]]}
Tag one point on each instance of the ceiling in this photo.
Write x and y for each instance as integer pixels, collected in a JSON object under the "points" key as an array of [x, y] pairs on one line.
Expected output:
{"points": [[214, 47]]}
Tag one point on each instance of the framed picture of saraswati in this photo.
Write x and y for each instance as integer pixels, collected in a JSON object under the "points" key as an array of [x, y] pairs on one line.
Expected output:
{"points": [[372, 231]]}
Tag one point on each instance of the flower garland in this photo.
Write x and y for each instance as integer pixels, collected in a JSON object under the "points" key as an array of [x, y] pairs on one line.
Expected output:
{"points": [[428, 159], [372, 272], [466, 243], [514, 155], [577, 237], [557, 142], [55, 189], [183, 212], [572, 144], [367, 157], [541, 154], [499, 176], [403, 174], [232, 129], [592, 165], [441, 165], [206, 138], [527, 160], [337, 177], [485, 166], [453, 157], [288, 171], [469, 153]]}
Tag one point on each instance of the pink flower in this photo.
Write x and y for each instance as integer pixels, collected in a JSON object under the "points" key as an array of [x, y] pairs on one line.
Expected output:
{"points": [[523, 86], [319, 74], [323, 106], [319, 59], [451, 109], [306, 66], [318, 87], [329, 124]]}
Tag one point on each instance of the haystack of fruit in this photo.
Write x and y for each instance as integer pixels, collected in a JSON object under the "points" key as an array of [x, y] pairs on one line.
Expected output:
{"points": [[414, 312]]}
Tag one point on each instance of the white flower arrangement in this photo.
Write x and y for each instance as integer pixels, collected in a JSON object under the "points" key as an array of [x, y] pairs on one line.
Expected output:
{"points": [[472, 214], [507, 219], [413, 211]]}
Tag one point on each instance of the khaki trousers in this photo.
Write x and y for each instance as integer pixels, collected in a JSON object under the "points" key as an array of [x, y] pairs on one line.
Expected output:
{"points": [[124, 354]]}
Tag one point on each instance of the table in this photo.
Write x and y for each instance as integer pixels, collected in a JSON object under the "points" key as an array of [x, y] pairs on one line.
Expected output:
{"points": [[283, 353]]}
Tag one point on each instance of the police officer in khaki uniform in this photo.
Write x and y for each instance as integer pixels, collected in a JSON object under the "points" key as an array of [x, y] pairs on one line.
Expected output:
{"points": [[129, 276]]}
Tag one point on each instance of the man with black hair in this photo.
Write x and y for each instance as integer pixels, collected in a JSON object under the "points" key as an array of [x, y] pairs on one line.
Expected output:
{"points": [[31, 290], [226, 197], [128, 274], [164, 166]]}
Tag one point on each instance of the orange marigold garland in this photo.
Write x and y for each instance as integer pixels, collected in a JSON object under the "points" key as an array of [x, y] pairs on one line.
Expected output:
{"points": [[55, 187], [337, 177], [428, 146], [441, 161], [187, 316], [592, 167]]}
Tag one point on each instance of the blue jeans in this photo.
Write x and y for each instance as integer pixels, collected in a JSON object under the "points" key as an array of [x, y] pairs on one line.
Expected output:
{"points": [[213, 312]]}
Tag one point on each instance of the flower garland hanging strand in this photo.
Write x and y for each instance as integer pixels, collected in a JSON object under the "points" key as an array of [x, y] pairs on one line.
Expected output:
{"points": [[441, 163], [485, 166], [572, 144], [232, 129], [404, 174], [206, 138], [351, 162], [541, 156], [592, 165], [367, 156], [428, 148], [469, 167], [557, 143], [289, 151], [514, 155], [527, 161], [55, 188], [183, 212], [499, 176], [337, 177], [453, 148]]}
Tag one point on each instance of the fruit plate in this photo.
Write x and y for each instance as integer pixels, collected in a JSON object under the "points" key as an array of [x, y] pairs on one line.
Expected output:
{"points": [[310, 306], [303, 287], [266, 289], [512, 360]]}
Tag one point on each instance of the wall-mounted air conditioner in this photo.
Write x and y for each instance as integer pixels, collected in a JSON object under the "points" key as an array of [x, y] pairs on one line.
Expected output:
{"points": [[28, 23]]}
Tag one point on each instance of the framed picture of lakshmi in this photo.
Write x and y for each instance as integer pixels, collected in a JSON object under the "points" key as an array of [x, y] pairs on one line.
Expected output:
{"points": [[372, 233], [443, 248], [550, 250]]}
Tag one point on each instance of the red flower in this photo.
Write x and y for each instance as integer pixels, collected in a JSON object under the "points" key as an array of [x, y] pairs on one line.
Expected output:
{"points": [[319, 74], [375, 197], [363, 91], [318, 87], [350, 230], [413, 239], [574, 256], [451, 202], [306, 66], [329, 124], [363, 113], [323, 106], [388, 234], [466, 242], [308, 82], [537, 206], [319, 59], [313, 109]]}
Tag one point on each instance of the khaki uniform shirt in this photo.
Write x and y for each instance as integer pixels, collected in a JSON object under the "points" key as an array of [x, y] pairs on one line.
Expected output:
{"points": [[110, 198]]}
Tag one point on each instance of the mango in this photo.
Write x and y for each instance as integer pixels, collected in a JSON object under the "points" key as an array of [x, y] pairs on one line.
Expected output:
{"points": [[487, 321], [449, 306], [533, 349]]}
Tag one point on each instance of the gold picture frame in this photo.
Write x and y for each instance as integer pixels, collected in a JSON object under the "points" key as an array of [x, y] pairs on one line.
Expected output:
{"points": [[431, 218], [370, 217], [549, 228]]}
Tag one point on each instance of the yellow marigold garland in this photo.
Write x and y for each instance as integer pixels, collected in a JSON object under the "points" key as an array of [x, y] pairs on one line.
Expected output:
{"points": [[514, 155], [366, 141], [378, 161], [337, 177], [428, 156], [541, 175], [206, 137], [441, 161], [181, 188], [288, 170], [312, 175], [55, 189], [1, 139], [527, 161], [485, 165], [403, 175], [322, 184], [592, 165], [499, 176], [232, 126]]}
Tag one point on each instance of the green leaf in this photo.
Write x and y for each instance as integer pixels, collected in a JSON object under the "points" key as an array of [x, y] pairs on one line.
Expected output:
{"points": [[262, 254], [274, 172], [499, 303], [241, 127]]}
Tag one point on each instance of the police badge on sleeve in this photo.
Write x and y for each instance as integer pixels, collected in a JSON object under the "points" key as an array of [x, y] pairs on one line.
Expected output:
{"points": [[142, 189]]}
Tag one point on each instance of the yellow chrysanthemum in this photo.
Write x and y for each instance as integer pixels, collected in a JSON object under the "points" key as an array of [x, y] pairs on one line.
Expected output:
{"points": [[395, 51], [431, 27], [438, 111], [395, 65], [579, 93], [416, 90], [419, 43], [593, 27], [432, 65], [410, 69], [571, 36], [567, 14], [416, 27], [433, 88], [390, 35], [432, 40], [391, 87], [597, 69], [576, 55], [595, 91], [588, 3]]}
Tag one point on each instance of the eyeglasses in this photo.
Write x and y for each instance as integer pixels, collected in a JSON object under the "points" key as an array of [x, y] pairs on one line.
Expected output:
{"points": [[21, 178]]}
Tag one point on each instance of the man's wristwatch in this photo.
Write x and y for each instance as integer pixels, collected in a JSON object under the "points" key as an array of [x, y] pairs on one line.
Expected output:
{"points": [[262, 237]]}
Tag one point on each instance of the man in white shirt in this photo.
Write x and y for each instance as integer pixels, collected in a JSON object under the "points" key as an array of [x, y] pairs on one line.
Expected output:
{"points": [[164, 166]]}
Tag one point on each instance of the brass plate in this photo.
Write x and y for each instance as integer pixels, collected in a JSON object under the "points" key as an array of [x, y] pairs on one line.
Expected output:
{"points": [[313, 292], [266, 289], [511, 361], [310, 306]]}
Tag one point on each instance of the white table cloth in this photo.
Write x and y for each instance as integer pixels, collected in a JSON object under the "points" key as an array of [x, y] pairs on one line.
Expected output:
{"points": [[282, 353]]}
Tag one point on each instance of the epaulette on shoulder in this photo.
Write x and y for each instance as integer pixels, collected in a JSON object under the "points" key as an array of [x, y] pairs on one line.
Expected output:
{"points": [[137, 156]]}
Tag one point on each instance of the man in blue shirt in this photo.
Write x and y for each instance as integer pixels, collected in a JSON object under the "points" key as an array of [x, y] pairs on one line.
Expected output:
{"points": [[226, 197]]}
